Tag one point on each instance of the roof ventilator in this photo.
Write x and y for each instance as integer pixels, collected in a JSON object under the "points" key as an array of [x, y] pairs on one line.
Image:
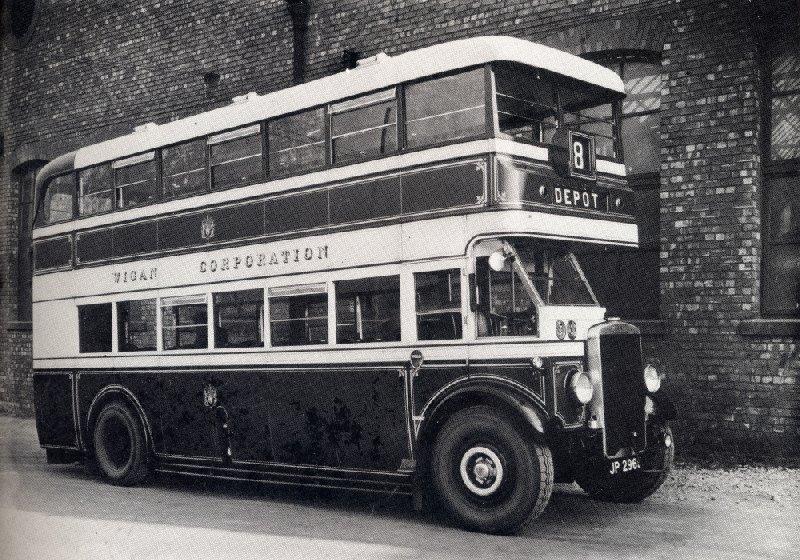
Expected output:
{"points": [[250, 96], [144, 127], [373, 60]]}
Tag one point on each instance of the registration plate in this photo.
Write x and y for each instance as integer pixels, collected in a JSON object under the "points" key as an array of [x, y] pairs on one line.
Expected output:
{"points": [[624, 465]]}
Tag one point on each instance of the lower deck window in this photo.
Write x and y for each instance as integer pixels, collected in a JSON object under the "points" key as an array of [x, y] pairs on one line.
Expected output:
{"points": [[238, 319], [368, 310], [438, 297], [184, 321], [94, 328], [298, 315], [136, 325]]}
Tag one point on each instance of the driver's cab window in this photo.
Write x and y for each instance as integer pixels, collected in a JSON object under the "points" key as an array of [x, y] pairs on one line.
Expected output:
{"points": [[504, 306], [506, 301]]}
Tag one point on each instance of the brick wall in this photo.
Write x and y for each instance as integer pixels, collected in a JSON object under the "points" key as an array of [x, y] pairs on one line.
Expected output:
{"points": [[93, 70]]}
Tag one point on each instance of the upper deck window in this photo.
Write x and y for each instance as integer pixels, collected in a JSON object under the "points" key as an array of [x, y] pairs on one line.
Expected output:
{"points": [[526, 104], [364, 127], [96, 190], [135, 180], [530, 103], [58, 200], [184, 167], [236, 158], [447, 108], [297, 142], [584, 111]]}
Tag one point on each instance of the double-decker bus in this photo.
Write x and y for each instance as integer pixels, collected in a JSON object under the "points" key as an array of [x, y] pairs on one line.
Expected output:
{"points": [[370, 281]]}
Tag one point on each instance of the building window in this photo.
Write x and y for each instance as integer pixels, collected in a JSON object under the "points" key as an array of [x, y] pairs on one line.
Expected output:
{"points": [[236, 158], [19, 19], [24, 178], [136, 325], [96, 190], [626, 281], [297, 142], [298, 315], [94, 328], [184, 167], [445, 109], [135, 180], [368, 310], [438, 303], [364, 127], [184, 322], [780, 280], [238, 319]]}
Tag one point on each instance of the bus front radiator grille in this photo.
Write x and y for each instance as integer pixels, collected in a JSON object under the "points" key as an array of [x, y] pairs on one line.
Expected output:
{"points": [[623, 392]]}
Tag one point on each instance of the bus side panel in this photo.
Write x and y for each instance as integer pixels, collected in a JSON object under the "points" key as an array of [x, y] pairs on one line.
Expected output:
{"points": [[348, 418], [431, 378], [522, 373], [144, 387], [55, 421]]}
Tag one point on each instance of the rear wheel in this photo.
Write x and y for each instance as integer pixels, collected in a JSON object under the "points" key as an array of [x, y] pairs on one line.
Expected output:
{"points": [[119, 445], [634, 486], [487, 473]]}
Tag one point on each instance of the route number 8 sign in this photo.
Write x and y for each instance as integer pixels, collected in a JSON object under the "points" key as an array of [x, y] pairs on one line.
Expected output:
{"points": [[581, 155]]}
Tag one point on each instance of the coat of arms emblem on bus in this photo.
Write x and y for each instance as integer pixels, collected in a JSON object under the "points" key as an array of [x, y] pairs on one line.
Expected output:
{"points": [[207, 228], [209, 395]]}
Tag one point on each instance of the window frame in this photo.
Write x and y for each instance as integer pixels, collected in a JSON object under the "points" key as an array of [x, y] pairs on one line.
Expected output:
{"points": [[262, 132], [39, 209], [263, 319], [489, 104], [117, 318], [326, 290], [377, 277], [170, 195], [330, 115], [137, 159], [271, 174], [161, 347], [112, 189], [771, 168], [111, 326], [440, 266]]}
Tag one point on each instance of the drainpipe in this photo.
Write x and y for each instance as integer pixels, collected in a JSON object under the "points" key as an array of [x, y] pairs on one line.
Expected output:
{"points": [[299, 10]]}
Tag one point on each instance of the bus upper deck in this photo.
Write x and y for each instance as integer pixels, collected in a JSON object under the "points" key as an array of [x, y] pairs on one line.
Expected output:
{"points": [[486, 122]]}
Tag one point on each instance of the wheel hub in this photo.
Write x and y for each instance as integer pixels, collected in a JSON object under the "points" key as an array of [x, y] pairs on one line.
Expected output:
{"points": [[481, 470]]}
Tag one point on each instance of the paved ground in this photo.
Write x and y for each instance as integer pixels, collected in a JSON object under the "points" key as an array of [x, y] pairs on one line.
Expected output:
{"points": [[59, 511]]}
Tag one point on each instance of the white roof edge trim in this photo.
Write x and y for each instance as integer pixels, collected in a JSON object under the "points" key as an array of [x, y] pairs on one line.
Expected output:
{"points": [[404, 67]]}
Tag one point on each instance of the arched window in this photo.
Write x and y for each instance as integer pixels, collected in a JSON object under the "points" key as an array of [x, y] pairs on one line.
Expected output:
{"points": [[627, 281]]}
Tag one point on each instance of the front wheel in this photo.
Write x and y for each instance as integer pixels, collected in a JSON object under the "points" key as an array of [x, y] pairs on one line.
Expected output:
{"points": [[120, 452], [488, 474], [635, 486]]}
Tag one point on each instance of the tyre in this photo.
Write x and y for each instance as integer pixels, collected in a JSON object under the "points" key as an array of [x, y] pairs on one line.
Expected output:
{"points": [[632, 487], [120, 452], [487, 473]]}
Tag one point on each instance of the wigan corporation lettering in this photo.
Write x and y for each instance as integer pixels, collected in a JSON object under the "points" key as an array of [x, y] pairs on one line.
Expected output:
{"points": [[260, 260]]}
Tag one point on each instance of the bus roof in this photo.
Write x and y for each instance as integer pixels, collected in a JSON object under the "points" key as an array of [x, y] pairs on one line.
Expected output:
{"points": [[382, 71]]}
